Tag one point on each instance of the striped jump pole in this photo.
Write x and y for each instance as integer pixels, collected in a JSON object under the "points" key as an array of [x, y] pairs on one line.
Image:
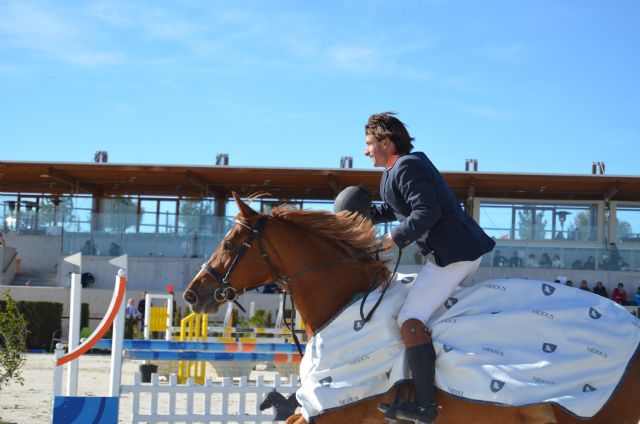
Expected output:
{"points": [[252, 330], [178, 355], [200, 346]]}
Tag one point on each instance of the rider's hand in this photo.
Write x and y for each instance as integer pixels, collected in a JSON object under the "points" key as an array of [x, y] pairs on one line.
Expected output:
{"points": [[387, 242]]}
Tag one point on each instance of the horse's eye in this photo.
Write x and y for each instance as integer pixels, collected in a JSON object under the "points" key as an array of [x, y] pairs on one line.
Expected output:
{"points": [[229, 245]]}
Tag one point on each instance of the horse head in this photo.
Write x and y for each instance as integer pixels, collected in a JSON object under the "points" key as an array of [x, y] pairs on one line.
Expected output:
{"points": [[225, 275]]}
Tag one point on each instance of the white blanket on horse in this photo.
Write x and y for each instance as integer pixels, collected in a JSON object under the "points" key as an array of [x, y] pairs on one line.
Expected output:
{"points": [[506, 341]]}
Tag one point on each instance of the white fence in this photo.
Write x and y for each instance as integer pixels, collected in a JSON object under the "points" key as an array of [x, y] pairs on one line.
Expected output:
{"points": [[230, 401]]}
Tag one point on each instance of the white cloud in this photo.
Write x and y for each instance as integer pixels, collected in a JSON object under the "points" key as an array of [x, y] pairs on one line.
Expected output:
{"points": [[35, 27]]}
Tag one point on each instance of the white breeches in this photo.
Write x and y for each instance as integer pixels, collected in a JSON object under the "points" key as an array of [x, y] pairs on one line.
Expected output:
{"points": [[432, 287]]}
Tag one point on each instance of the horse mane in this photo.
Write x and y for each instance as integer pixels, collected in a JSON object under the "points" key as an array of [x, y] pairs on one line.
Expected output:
{"points": [[350, 231]]}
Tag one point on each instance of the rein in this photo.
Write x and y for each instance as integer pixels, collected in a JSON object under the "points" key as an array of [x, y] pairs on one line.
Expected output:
{"points": [[227, 293]]}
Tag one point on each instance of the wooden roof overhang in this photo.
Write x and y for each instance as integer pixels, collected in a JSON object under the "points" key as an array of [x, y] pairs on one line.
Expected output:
{"points": [[109, 179]]}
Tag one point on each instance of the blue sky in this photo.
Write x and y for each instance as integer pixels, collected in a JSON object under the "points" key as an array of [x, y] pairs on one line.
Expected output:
{"points": [[523, 86]]}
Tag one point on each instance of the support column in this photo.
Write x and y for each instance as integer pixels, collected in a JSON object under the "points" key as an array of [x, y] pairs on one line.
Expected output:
{"points": [[220, 212]]}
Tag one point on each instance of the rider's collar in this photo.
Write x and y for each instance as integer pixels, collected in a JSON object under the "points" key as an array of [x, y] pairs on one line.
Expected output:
{"points": [[391, 161]]}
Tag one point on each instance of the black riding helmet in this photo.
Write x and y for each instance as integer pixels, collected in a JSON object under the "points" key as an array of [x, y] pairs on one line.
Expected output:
{"points": [[353, 199]]}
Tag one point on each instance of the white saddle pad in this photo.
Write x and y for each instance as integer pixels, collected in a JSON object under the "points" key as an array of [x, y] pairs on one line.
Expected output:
{"points": [[506, 341]]}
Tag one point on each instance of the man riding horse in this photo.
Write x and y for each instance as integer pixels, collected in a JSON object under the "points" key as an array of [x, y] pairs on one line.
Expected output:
{"points": [[414, 193]]}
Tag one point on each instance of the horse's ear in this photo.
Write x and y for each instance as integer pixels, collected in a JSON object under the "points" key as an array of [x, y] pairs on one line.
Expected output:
{"points": [[245, 210]]}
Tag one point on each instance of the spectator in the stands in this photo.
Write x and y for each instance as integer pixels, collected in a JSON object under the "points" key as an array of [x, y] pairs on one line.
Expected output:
{"points": [[619, 295], [115, 249], [516, 260], [636, 296], [89, 248], [590, 263], [532, 262], [545, 261], [557, 262], [584, 286], [569, 283], [600, 289], [499, 260]]}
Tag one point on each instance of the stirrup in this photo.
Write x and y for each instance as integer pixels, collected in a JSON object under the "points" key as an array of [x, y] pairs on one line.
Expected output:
{"points": [[413, 411], [389, 411]]}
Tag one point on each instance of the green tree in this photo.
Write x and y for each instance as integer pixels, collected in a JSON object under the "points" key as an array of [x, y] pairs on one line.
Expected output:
{"points": [[119, 214], [580, 227], [196, 215], [47, 212], [531, 224], [13, 335], [623, 228]]}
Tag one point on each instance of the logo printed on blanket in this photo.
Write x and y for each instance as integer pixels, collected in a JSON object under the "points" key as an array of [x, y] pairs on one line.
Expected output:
{"points": [[496, 385], [543, 313], [326, 381], [543, 381], [455, 392], [495, 286], [407, 280], [588, 388], [547, 289], [348, 400], [594, 314], [597, 352], [359, 360], [450, 302], [549, 347], [492, 350], [358, 325]]}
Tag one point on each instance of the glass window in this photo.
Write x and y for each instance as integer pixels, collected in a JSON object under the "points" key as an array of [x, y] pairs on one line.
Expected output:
{"points": [[148, 216], [119, 215], [9, 204], [627, 223], [196, 216], [167, 216], [580, 222], [495, 219], [531, 221], [77, 213]]}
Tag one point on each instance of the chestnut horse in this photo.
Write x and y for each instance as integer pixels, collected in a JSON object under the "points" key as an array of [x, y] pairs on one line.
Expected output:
{"points": [[320, 259]]}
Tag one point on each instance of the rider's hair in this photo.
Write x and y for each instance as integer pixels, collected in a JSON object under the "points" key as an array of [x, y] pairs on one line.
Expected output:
{"points": [[385, 124]]}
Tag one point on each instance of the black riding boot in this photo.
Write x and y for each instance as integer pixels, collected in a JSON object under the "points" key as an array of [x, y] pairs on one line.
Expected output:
{"points": [[422, 409]]}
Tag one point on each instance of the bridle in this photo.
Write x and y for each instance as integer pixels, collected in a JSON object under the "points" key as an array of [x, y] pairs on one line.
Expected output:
{"points": [[227, 293]]}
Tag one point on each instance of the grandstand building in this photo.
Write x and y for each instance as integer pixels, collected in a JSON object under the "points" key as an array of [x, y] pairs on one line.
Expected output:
{"points": [[168, 219]]}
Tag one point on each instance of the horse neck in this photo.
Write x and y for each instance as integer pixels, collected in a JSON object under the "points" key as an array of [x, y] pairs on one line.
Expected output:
{"points": [[319, 295]]}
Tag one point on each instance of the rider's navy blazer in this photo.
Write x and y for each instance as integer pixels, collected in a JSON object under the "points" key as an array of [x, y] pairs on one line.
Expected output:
{"points": [[417, 195]]}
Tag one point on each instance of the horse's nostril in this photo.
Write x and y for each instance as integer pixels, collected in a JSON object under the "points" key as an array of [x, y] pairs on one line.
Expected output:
{"points": [[190, 297]]}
